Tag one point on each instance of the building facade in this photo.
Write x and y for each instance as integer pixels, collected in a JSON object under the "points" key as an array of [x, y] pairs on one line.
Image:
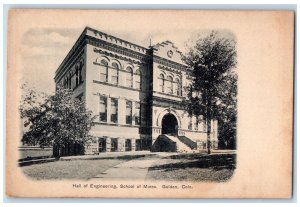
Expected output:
{"points": [[135, 92]]}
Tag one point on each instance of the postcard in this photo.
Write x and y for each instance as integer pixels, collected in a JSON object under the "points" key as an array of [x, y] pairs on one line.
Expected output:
{"points": [[149, 104]]}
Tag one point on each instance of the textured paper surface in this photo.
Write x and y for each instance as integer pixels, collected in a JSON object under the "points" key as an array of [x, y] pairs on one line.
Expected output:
{"points": [[265, 43]]}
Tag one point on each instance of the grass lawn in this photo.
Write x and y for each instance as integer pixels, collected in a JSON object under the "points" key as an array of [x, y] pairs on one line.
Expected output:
{"points": [[35, 153], [194, 167], [74, 169]]}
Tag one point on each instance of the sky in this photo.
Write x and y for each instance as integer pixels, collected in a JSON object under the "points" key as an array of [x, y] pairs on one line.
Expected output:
{"points": [[44, 45]]}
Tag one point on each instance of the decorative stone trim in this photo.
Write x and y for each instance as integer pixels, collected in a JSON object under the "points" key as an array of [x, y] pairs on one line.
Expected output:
{"points": [[118, 86], [117, 40], [177, 71], [119, 97], [119, 69], [117, 49], [167, 94], [169, 63]]}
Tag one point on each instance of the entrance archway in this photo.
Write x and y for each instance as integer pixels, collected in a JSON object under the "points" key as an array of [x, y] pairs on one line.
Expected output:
{"points": [[169, 125]]}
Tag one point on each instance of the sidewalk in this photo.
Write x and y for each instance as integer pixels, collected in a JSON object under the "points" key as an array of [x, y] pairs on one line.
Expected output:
{"points": [[108, 155], [134, 154], [133, 169]]}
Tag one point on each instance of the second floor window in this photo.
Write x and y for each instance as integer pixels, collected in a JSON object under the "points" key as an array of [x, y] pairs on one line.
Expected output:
{"points": [[103, 71], [177, 87], [69, 81], [80, 73], [114, 73], [161, 83], [129, 77], [169, 85], [137, 113], [138, 79], [103, 108], [196, 124], [190, 126], [128, 112], [114, 110], [77, 75]]}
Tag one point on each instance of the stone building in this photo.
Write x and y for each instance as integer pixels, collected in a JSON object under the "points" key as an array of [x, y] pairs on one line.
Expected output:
{"points": [[135, 92]]}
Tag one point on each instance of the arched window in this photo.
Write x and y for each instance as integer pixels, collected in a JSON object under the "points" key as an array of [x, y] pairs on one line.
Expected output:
{"points": [[77, 75], [80, 73], [177, 87], [114, 72], [69, 81], [169, 85], [138, 79], [65, 83], [129, 77], [161, 80], [103, 71]]}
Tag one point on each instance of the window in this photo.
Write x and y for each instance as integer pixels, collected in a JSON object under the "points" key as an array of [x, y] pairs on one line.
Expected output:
{"points": [[66, 83], [103, 71], [137, 113], [190, 127], [128, 112], [77, 76], [114, 73], [169, 85], [73, 81], [102, 144], [103, 109], [114, 110], [138, 79], [127, 145], [196, 124], [129, 74], [161, 82], [69, 81], [114, 145], [80, 74], [177, 87]]}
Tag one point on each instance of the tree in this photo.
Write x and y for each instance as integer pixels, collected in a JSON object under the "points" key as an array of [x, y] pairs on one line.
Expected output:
{"points": [[212, 95], [226, 111], [55, 120]]}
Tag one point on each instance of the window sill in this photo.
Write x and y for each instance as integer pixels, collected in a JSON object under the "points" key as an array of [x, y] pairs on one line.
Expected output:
{"points": [[116, 124], [117, 85]]}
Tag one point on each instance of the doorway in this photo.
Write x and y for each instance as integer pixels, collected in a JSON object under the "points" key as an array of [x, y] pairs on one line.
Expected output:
{"points": [[169, 125]]}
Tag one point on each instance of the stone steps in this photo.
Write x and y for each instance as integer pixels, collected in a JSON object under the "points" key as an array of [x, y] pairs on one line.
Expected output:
{"points": [[181, 147]]}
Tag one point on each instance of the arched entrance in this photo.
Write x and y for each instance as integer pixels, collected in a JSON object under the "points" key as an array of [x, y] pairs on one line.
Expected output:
{"points": [[169, 125]]}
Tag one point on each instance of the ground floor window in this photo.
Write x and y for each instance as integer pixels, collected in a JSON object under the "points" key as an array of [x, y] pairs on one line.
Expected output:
{"points": [[114, 145], [127, 145], [190, 126], [102, 145]]}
